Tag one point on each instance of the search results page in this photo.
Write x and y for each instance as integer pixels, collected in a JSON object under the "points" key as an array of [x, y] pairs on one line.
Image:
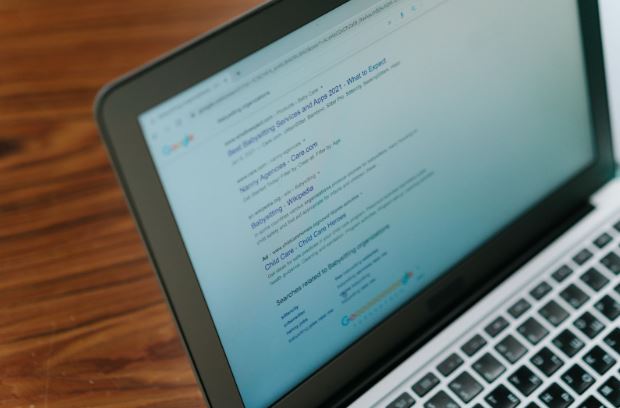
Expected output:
{"points": [[322, 182]]}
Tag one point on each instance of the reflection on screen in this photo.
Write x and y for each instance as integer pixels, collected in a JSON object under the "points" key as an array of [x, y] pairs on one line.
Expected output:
{"points": [[322, 182]]}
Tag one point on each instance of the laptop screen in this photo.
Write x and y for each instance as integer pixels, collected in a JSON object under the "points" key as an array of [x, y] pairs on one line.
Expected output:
{"points": [[324, 181]]}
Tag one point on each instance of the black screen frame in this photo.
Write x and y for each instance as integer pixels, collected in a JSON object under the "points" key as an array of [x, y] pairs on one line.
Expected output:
{"points": [[117, 109]]}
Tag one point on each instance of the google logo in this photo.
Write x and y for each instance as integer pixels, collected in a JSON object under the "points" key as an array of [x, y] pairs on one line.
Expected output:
{"points": [[404, 280], [167, 150]]}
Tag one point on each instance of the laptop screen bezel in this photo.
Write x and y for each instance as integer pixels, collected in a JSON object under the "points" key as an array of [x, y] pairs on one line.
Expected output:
{"points": [[118, 108]]}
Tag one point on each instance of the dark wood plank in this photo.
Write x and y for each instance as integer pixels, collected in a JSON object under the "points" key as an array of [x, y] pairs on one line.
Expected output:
{"points": [[82, 319]]}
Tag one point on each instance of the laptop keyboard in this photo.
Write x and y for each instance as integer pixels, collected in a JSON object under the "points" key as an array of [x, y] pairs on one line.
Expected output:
{"points": [[556, 344]]}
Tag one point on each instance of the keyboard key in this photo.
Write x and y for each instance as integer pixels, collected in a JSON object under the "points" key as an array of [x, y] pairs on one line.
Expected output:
{"points": [[496, 326], [599, 360], [465, 387], [608, 307], [568, 343], [532, 405], [589, 325], [525, 381], [594, 279], [425, 384], [556, 397], [611, 391], [617, 289], [441, 400], [541, 290], [591, 402], [501, 397], [617, 226], [603, 240], [578, 379], [403, 401], [533, 331], [612, 262], [547, 362], [554, 313], [562, 273], [582, 257], [450, 364], [574, 296], [473, 345], [613, 340], [519, 308], [489, 368], [478, 406], [511, 349]]}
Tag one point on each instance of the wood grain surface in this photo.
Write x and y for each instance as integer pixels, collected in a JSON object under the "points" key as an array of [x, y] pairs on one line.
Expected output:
{"points": [[82, 320]]}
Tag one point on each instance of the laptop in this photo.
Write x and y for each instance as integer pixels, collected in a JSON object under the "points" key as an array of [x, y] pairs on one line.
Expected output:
{"points": [[383, 203]]}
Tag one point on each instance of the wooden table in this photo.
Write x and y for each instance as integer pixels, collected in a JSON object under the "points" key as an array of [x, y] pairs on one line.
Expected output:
{"points": [[82, 320]]}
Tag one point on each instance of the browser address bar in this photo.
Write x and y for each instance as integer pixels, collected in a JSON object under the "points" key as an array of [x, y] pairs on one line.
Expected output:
{"points": [[304, 49], [317, 42]]}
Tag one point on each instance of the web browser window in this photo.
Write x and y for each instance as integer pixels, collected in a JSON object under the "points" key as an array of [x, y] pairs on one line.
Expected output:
{"points": [[324, 181]]}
